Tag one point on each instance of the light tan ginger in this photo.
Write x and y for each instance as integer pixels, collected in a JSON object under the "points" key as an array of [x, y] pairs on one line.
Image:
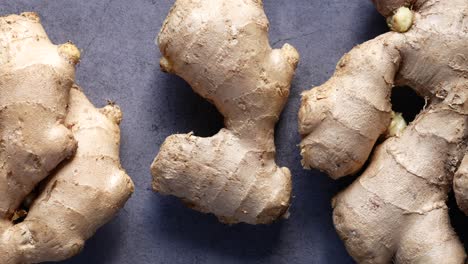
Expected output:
{"points": [[396, 210], [221, 49], [84, 193], [37, 134], [35, 81]]}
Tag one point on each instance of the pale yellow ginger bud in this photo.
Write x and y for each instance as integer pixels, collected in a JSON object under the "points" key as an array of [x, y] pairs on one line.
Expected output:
{"points": [[402, 20], [397, 126]]}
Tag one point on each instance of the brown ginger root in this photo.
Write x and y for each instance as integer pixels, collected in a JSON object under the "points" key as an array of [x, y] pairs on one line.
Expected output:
{"points": [[221, 49], [396, 210], [35, 81], [83, 194], [39, 121]]}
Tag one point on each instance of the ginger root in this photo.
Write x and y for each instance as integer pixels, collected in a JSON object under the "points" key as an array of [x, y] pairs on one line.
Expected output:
{"points": [[396, 210], [42, 121], [221, 49], [84, 193], [35, 82]]}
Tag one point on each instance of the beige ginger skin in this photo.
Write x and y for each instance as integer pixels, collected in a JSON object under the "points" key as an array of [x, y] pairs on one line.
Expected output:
{"points": [[221, 48], [396, 210], [35, 81], [43, 120]]}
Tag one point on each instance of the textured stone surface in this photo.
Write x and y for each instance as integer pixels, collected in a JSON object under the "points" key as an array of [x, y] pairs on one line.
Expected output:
{"points": [[120, 63]]}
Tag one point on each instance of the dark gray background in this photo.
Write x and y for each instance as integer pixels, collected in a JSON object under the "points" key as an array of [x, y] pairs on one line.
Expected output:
{"points": [[120, 62]]}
